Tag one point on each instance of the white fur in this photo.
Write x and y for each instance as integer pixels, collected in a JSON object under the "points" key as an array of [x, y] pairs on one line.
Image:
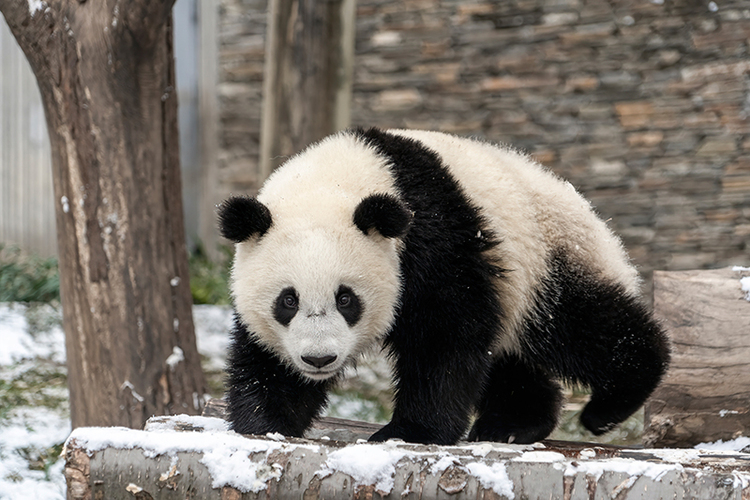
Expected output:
{"points": [[314, 246]]}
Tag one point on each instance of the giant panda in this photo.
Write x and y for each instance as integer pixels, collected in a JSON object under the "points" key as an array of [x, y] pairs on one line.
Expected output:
{"points": [[488, 280]]}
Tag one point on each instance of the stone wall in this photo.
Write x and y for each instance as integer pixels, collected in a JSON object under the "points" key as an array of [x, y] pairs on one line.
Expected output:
{"points": [[643, 105]]}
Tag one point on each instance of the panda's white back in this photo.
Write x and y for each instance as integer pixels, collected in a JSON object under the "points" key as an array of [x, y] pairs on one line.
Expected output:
{"points": [[533, 212]]}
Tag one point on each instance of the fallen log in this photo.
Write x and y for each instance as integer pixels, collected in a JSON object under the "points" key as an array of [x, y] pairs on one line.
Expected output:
{"points": [[705, 396], [195, 457]]}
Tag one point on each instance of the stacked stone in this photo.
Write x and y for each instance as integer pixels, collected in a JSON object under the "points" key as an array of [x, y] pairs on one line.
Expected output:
{"points": [[643, 105]]}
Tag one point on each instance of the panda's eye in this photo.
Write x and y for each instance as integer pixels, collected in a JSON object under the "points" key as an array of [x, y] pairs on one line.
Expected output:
{"points": [[344, 300], [290, 301]]}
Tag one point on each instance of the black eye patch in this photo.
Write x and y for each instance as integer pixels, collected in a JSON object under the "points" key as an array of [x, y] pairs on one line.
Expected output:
{"points": [[349, 305], [286, 306]]}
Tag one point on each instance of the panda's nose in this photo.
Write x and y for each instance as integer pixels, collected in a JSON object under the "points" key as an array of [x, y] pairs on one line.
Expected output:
{"points": [[319, 361]]}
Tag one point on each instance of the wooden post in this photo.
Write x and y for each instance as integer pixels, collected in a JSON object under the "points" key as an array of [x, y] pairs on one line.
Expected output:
{"points": [[706, 394], [105, 71], [308, 75], [209, 123]]}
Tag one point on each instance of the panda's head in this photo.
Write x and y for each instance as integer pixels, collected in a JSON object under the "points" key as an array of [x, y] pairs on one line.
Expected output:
{"points": [[316, 287]]}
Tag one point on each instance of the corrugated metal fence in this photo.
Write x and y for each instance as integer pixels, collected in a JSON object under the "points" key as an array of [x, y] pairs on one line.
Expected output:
{"points": [[27, 210], [27, 214]]}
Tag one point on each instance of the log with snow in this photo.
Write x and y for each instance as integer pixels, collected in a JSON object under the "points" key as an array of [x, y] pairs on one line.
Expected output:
{"points": [[196, 457]]}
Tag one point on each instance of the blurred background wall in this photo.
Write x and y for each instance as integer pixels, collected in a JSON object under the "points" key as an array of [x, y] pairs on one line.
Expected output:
{"points": [[643, 105]]}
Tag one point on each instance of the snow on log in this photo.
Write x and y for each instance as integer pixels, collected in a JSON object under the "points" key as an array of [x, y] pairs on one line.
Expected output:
{"points": [[705, 395], [196, 457]]}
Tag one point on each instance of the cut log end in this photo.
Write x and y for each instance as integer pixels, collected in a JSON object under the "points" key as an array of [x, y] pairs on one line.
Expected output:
{"points": [[704, 397]]}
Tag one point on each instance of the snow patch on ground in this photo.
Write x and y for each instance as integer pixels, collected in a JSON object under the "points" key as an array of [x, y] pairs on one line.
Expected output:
{"points": [[29, 433], [32, 340], [212, 327], [20, 343]]}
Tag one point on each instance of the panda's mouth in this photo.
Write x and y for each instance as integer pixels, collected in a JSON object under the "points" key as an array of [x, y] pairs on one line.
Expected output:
{"points": [[319, 374]]}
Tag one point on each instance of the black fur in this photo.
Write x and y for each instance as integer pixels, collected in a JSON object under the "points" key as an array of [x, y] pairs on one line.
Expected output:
{"points": [[386, 214], [349, 305], [449, 315], [286, 306], [241, 217], [593, 333], [266, 396], [520, 403]]}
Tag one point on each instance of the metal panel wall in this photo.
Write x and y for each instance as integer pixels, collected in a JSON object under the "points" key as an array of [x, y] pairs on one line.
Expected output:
{"points": [[27, 216]]}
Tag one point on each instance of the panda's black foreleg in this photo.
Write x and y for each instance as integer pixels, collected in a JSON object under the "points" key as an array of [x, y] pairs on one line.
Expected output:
{"points": [[264, 395], [437, 387], [520, 404]]}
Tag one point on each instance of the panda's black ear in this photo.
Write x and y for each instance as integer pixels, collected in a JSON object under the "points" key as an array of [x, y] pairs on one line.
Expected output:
{"points": [[241, 217], [384, 213]]}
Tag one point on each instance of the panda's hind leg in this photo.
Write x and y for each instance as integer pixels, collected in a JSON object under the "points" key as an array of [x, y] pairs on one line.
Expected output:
{"points": [[520, 404], [622, 378], [591, 331]]}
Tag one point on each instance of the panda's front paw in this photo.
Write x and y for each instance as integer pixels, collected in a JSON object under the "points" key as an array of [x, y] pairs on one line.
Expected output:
{"points": [[255, 426], [501, 434], [385, 433], [414, 433]]}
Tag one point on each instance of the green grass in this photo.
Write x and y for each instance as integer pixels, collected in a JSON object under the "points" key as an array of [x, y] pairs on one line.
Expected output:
{"points": [[44, 384], [209, 279], [27, 278]]}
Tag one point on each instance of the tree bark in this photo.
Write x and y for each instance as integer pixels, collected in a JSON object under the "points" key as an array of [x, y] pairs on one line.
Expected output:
{"points": [[106, 74], [705, 394], [307, 84]]}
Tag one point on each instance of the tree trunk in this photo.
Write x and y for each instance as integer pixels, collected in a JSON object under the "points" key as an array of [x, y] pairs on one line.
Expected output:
{"points": [[106, 74], [307, 83]]}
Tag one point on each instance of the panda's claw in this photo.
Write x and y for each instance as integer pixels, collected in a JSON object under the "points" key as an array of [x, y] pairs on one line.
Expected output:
{"points": [[413, 433]]}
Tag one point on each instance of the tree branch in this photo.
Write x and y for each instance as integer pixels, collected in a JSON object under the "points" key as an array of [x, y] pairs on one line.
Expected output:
{"points": [[34, 27]]}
